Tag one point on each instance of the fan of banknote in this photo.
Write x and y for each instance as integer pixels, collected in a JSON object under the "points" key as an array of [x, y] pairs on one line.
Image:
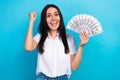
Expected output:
{"points": [[85, 22]]}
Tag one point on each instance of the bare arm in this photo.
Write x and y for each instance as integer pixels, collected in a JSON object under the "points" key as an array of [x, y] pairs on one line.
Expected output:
{"points": [[30, 44], [76, 58]]}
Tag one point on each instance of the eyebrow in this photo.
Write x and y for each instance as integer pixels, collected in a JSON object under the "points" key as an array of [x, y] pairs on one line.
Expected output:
{"points": [[54, 12]]}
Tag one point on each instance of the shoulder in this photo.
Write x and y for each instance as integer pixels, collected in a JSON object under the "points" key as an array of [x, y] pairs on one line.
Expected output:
{"points": [[69, 36], [37, 37], [38, 34]]}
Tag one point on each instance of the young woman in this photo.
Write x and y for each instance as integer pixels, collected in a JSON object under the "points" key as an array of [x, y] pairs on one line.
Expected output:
{"points": [[56, 49]]}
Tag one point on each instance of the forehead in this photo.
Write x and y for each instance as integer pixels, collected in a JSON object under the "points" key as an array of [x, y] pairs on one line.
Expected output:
{"points": [[51, 10]]}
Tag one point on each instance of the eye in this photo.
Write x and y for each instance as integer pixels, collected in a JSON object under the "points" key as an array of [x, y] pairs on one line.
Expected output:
{"points": [[56, 14], [48, 15]]}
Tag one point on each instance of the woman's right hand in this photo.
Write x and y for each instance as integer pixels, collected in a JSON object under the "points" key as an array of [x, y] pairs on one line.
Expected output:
{"points": [[32, 16]]}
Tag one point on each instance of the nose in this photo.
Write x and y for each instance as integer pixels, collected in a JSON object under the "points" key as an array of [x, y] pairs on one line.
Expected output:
{"points": [[53, 17]]}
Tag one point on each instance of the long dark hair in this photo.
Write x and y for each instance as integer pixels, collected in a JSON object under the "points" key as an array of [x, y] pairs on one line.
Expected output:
{"points": [[43, 29]]}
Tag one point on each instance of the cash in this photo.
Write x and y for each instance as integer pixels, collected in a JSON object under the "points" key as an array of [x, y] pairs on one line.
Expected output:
{"points": [[85, 22]]}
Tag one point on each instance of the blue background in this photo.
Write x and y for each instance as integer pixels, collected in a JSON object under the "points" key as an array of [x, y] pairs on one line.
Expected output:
{"points": [[101, 56]]}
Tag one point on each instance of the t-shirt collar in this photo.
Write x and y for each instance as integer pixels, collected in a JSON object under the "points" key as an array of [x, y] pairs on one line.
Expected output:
{"points": [[49, 36]]}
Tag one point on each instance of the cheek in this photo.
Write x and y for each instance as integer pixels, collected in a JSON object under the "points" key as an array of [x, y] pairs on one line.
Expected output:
{"points": [[59, 18], [47, 20]]}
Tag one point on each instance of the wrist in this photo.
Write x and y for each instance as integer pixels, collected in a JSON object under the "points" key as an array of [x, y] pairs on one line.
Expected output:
{"points": [[81, 45], [31, 22]]}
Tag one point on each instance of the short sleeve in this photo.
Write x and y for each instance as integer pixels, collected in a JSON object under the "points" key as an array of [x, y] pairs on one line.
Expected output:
{"points": [[71, 43], [37, 37]]}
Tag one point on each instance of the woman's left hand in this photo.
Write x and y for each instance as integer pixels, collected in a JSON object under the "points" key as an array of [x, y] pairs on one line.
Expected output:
{"points": [[84, 38]]}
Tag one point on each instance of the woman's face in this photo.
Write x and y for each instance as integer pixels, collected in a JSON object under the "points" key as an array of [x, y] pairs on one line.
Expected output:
{"points": [[53, 18]]}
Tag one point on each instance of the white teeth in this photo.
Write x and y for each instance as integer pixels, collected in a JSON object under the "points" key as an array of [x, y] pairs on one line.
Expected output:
{"points": [[54, 23]]}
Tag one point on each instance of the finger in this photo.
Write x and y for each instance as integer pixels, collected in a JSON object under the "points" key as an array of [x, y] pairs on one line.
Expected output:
{"points": [[35, 13], [83, 34], [82, 38], [86, 35]]}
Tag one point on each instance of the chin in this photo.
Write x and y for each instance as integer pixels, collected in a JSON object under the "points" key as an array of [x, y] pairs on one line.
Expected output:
{"points": [[54, 28]]}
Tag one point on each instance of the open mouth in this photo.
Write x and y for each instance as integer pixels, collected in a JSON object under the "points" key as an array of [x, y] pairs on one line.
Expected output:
{"points": [[54, 23]]}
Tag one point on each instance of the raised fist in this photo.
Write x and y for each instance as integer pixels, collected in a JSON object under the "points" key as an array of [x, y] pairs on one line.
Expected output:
{"points": [[32, 16]]}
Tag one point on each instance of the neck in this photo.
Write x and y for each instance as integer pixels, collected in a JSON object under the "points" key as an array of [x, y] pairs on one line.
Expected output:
{"points": [[53, 34]]}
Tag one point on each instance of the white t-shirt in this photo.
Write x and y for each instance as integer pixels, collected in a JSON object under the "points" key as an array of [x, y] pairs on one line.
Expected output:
{"points": [[54, 62]]}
